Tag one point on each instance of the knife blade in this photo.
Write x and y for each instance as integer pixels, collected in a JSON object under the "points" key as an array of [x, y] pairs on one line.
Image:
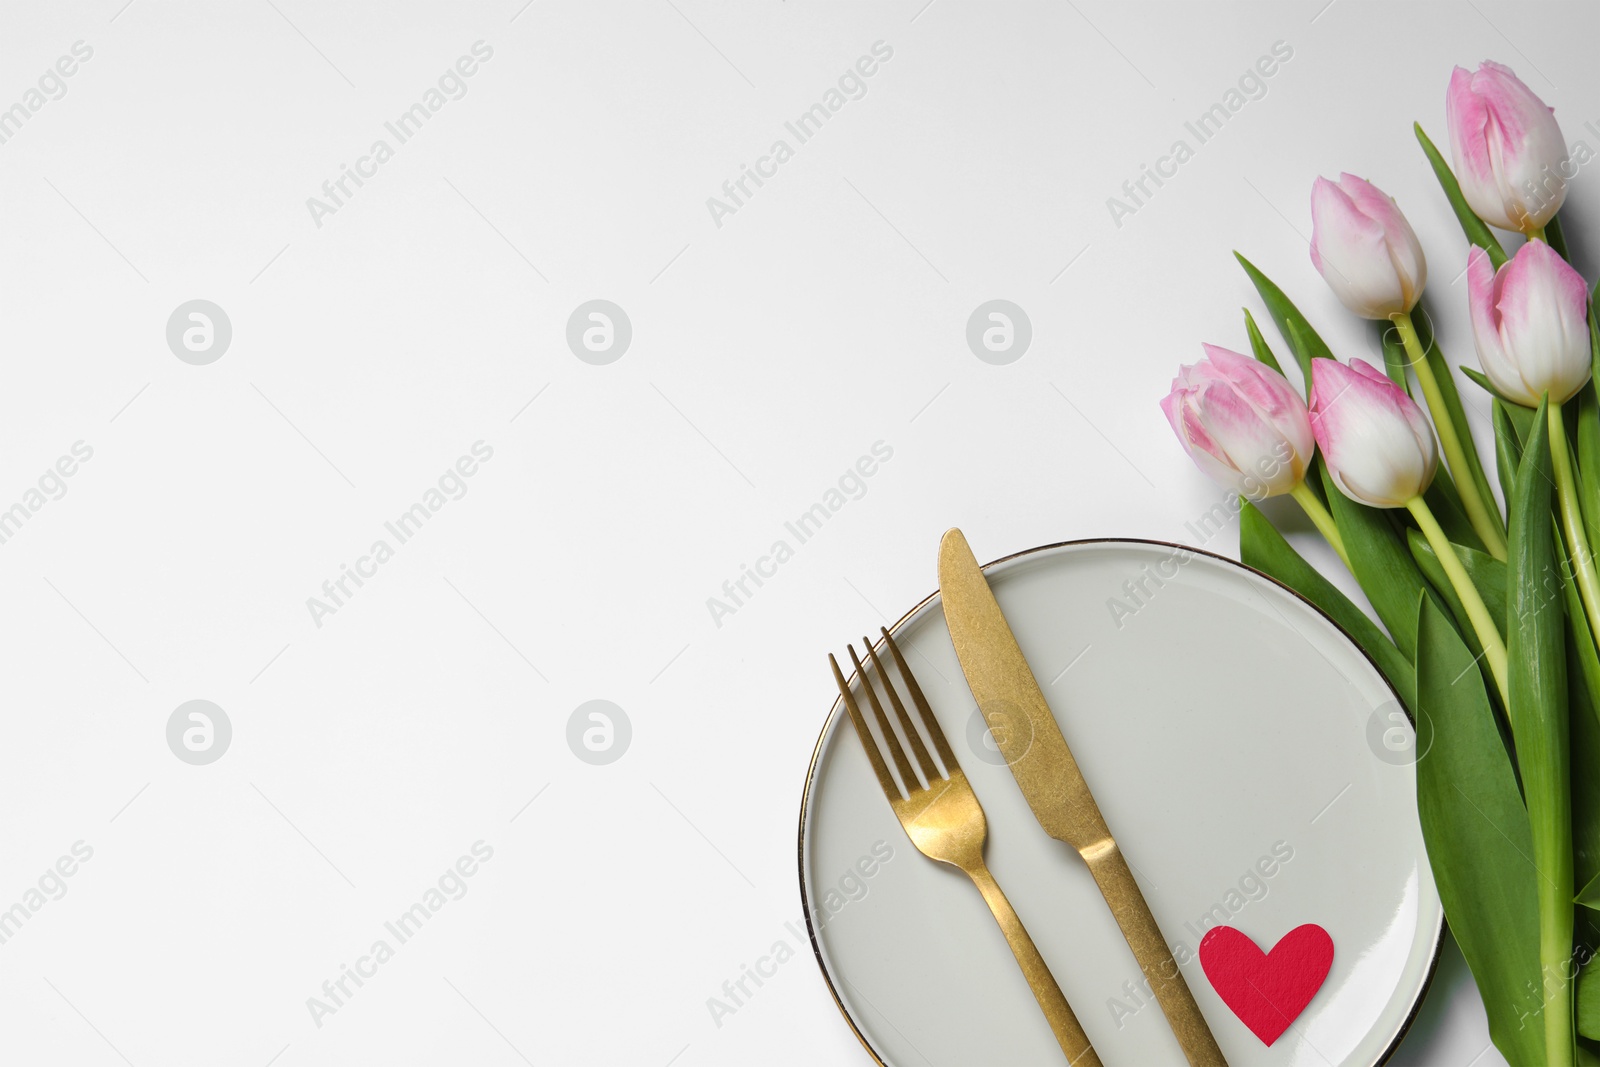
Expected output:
{"points": [[1028, 736]]}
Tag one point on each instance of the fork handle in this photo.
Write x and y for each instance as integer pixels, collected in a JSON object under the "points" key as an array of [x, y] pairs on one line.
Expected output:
{"points": [[1111, 873], [1069, 1034]]}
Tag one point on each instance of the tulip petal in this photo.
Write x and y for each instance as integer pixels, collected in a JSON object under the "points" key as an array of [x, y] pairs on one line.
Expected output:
{"points": [[1349, 250], [1241, 423], [1542, 305], [1368, 430], [1254, 447], [1482, 297], [1467, 116], [1178, 406], [1172, 408], [1267, 392], [1510, 157], [1272, 398], [1207, 454], [1405, 251]]}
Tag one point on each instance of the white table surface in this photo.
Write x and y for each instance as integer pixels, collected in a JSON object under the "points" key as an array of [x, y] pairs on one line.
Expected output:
{"points": [[374, 344]]}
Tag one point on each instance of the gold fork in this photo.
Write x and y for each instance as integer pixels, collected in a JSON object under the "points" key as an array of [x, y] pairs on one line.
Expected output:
{"points": [[945, 821]]}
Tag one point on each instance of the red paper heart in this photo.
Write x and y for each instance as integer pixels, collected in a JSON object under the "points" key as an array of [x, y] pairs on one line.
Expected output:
{"points": [[1267, 990]]}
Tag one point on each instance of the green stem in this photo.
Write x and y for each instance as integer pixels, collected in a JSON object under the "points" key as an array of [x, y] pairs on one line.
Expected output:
{"points": [[1318, 514], [1555, 958], [1494, 649], [1546, 774], [1583, 565], [1537, 234], [1484, 524]]}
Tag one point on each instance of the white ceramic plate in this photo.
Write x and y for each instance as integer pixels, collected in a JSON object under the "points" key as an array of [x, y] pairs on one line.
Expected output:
{"points": [[1227, 728]]}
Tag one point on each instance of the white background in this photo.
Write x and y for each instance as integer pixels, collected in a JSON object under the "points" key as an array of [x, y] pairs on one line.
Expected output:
{"points": [[371, 351]]}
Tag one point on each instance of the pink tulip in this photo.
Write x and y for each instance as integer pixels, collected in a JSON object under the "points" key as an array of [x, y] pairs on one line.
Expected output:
{"points": [[1529, 323], [1376, 441], [1364, 248], [1510, 157], [1241, 423]]}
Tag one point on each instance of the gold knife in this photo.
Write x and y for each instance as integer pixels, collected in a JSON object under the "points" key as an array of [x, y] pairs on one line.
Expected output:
{"points": [[1001, 682]]}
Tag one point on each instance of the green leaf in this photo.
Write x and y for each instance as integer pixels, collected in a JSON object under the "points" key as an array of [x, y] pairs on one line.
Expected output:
{"points": [[1476, 229], [1585, 716], [1307, 345], [1521, 420], [1488, 577], [1589, 1001], [1536, 626], [1258, 344], [1458, 419], [1444, 500], [1589, 897], [1507, 448], [1556, 237], [1478, 839], [1583, 652], [1396, 361], [1594, 341], [1381, 564], [1587, 446], [1584, 693], [1588, 438], [1261, 546], [1540, 726]]}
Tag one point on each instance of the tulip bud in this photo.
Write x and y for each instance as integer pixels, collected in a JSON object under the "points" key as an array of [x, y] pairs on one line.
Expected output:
{"points": [[1241, 423], [1364, 248], [1529, 321], [1510, 157], [1376, 441]]}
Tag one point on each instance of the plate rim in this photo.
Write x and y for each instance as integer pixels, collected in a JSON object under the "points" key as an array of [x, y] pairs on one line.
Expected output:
{"points": [[833, 710]]}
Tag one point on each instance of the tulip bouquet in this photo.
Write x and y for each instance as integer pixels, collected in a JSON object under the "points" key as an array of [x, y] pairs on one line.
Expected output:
{"points": [[1489, 616]]}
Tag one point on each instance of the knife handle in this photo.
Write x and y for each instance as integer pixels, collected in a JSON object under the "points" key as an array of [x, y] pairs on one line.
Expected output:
{"points": [[1127, 903]]}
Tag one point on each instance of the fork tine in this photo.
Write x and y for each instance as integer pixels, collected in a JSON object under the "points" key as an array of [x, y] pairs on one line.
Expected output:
{"points": [[929, 770], [898, 754], [885, 779], [939, 742]]}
